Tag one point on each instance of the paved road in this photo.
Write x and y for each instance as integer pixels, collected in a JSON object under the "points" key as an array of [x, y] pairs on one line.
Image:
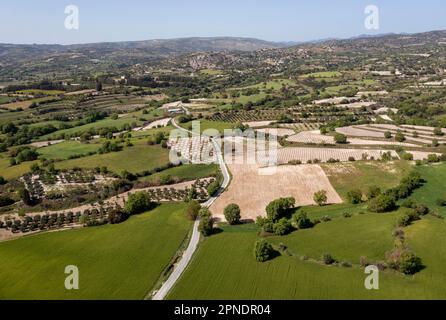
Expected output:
{"points": [[193, 244]]}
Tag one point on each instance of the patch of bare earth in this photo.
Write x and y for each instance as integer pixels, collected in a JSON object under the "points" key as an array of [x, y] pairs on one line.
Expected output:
{"points": [[253, 191]]}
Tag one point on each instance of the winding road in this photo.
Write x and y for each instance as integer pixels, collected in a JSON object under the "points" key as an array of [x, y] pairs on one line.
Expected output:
{"points": [[193, 244]]}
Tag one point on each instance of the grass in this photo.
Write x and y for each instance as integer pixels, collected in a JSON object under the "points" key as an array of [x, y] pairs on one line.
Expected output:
{"points": [[224, 268], [347, 239], [134, 159], [323, 74], [115, 261], [11, 172], [185, 172], [66, 149], [434, 189], [220, 126], [362, 175], [38, 91]]}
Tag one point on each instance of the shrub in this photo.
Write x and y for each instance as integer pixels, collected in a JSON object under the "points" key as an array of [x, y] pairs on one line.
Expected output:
{"points": [[351, 159], [387, 135], [116, 216], [340, 138], [438, 131], [410, 263], [320, 198], [192, 210], [213, 188], [354, 196], [399, 137], [232, 214], [263, 251], [5, 201], [282, 227], [382, 203], [279, 208], [347, 215], [433, 158], [421, 210], [407, 156], [300, 221], [373, 192], [138, 202], [2, 181], [328, 259], [441, 202]]}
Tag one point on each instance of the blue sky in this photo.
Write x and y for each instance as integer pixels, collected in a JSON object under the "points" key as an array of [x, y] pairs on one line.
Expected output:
{"points": [[42, 21]]}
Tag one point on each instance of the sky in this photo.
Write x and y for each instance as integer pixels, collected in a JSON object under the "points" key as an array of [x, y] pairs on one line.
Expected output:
{"points": [[43, 21]]}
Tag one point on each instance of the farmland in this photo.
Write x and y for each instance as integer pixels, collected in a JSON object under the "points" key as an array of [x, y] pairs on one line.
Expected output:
{"points": [[149, 240]]}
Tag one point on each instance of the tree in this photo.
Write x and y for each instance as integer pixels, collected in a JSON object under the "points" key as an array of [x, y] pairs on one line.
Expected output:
{"points": [[382, 203], [206, 226], [320, 197], [410, 263], [354, 196], [192, 210], [387, 135], [138, 202], [300, 221], [25, 196], [116, 216], [2, 181], [98, 86], [438, 132], [399, 137], [340, 138], [282, 227], [279, 208], [263, 251], [232, 214]]}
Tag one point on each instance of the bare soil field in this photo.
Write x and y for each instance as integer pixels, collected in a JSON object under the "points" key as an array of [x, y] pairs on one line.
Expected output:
{"points": [[279, 132], [311, 137], [286, 155], [300, 182], [257, 124], [158, 123]]}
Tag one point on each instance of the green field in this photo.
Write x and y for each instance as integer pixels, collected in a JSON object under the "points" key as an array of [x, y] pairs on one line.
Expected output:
{"points": [[11, 172], [185, 172], [115, 261], [340, 238], [134, 159], [434, 188], [323, 74], [207, 125], [224, 268], [68, 148]]}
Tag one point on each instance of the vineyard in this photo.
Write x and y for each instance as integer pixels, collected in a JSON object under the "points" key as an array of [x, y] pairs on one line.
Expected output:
{"points": [[317, 155]]}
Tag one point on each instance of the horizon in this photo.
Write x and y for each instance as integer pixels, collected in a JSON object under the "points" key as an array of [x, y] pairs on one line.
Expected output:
{"points": [[279, 21]]}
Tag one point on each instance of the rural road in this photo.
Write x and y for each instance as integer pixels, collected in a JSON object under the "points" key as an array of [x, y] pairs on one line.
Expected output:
{"points": [[193, 244]]}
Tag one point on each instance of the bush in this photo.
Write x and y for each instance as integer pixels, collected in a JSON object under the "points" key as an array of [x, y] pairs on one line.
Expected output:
{"points": [[192, 210], [387, 135], [328, 259], [320, 198], [232, 214], [382, 203], [340, 138], [354, 196], [279, 208], [441, 202], [2, 181], [282, 227], [263, 251], [213, 188], [410, 263], [433, 158], [407, 156], [138, 202], [6, 201], [373, 192], [116, 216], [399, 137], [300, 221]]}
